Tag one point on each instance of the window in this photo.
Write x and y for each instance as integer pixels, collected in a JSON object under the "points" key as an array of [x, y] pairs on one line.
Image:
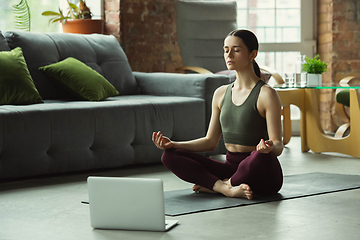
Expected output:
{"points": [[95, 7], [285, 29], [272, 21], [40, 23]]}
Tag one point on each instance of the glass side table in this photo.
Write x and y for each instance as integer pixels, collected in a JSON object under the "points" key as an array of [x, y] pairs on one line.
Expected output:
{"points": [[312, 136]]}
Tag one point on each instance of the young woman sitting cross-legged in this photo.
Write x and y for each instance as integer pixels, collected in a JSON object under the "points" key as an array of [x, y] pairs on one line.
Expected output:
{"points": [[247, 113]]}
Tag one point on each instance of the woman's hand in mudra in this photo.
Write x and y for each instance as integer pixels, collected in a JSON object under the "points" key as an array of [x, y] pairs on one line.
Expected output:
{"points": [[265, 146], [161, 141]]}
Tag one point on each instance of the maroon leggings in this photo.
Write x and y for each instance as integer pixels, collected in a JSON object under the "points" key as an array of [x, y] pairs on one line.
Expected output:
{"points": [[262, 172]]}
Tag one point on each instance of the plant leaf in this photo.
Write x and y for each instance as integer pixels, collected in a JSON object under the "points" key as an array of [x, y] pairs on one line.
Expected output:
{"points": [[75, 9], [50, 13], [314, 65], [22, 18]]}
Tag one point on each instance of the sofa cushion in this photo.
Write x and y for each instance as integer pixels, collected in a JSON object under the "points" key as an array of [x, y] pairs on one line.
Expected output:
{"points": [[16, 84], [102, 53], [81, 80], [63, 136], [3, 44]]}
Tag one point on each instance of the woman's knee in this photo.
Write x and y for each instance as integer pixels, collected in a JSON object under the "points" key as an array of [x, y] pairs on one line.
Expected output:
{"points": [[255, 161], [169, 155], [261, 160]]}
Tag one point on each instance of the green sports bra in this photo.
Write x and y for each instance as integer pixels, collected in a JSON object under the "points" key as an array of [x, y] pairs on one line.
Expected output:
{"points": [[243, 124]]}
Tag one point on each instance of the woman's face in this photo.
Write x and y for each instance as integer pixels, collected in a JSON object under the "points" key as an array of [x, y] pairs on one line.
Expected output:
{"points": [[236, 54]]}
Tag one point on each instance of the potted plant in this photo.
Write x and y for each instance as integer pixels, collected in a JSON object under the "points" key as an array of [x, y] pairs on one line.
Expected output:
{"points": [[314, 68], [77, 19]]}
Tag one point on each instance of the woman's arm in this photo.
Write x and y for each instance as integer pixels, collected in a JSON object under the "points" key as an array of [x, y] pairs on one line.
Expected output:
{"points": [[204, 144], [269, 105]]}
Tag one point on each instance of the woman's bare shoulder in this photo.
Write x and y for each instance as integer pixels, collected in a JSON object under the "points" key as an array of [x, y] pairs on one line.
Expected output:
{"points": [[268, 90], [219, 94], [268, 94], [221, 90]]}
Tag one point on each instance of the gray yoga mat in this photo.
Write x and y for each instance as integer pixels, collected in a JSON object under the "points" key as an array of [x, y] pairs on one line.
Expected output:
{"points": [[180, 202]]}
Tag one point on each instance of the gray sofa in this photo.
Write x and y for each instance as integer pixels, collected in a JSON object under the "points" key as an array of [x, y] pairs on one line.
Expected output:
{"points": [[63, 135]]}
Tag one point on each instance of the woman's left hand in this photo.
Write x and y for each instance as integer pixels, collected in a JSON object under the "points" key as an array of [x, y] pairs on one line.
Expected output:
{"points": [[265, 146]]}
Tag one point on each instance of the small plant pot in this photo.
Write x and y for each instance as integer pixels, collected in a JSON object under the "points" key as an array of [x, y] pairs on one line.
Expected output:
{"points": [[314, 80], [84, 26]]}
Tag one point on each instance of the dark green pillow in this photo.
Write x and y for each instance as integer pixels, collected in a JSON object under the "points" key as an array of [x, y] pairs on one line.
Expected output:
{"points": [[80, 79], [16, 84], [343, 97]]}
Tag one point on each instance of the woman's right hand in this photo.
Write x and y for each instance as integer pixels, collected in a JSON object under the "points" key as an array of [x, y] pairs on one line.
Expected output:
{"points": [[161, 141]]}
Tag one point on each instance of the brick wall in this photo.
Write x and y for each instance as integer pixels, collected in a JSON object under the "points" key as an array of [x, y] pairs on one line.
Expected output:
{"points": [[325, 49], [346, 38], [112, 18], [339, 46], [147, 32]]}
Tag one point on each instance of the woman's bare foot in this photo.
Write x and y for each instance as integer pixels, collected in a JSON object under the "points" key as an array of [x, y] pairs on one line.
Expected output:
{"points": [[197, 188], [241, 191], [227, 182]]}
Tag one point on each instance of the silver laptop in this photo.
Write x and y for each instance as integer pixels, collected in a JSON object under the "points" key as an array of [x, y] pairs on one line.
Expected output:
{"points": [[127, 203]]}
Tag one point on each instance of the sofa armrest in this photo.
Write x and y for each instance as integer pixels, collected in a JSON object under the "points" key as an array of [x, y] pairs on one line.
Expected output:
{"points": [[178, 84], [186, 85]]}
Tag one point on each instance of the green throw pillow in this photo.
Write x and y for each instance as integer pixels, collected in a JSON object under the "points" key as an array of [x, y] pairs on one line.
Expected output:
{"points": [[343, 97], [16, 84], [80, 79]]}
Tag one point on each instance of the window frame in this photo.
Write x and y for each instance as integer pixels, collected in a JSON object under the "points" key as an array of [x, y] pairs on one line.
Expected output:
{"points": [[307, 44]]}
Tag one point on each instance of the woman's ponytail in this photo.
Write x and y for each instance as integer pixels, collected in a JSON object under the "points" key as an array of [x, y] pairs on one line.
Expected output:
{"points": [[256, 69]]}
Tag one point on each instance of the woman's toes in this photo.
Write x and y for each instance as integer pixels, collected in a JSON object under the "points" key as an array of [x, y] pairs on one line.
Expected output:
{"points": [[196, 188], [247, 191], [242, 191]]}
